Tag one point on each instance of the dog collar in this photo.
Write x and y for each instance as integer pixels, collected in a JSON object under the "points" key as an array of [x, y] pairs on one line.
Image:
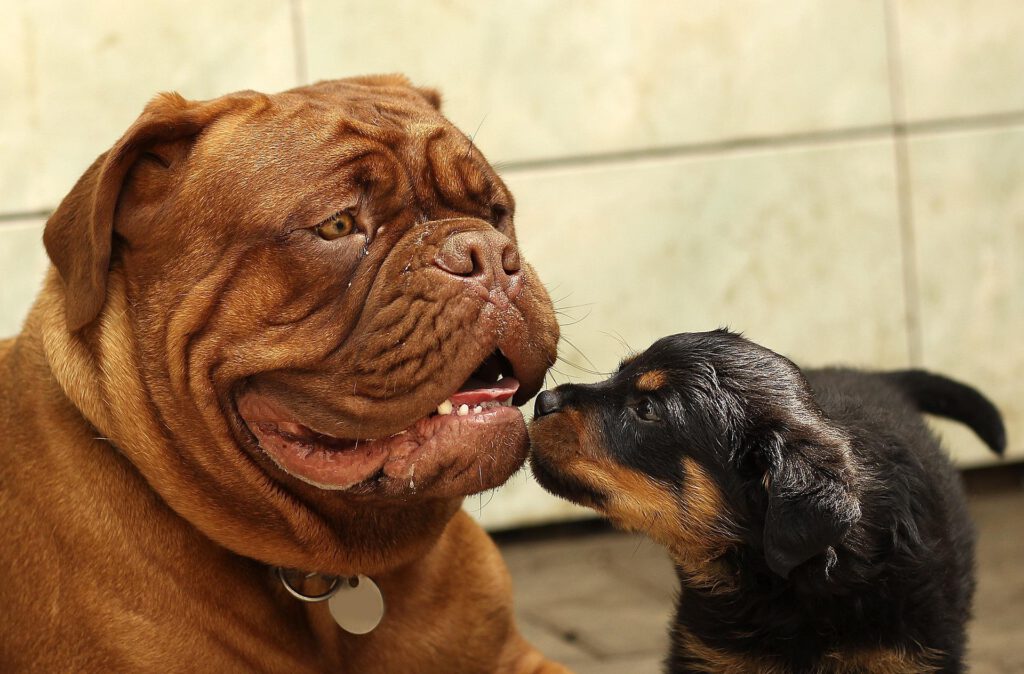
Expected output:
{"points": [[355, 602]]}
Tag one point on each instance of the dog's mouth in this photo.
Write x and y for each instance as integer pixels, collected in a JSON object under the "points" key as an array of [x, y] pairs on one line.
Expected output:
{"points": [[474, 440]]}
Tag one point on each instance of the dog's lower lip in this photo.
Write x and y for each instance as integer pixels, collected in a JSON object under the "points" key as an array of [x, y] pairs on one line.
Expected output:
{"points": [[429, 447]]}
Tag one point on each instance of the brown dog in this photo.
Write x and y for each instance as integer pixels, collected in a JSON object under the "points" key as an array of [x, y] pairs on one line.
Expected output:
{"points": [[256, 306]]}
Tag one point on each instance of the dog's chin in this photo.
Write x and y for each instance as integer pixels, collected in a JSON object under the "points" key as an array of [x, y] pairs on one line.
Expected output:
{"points": [[564, 485]]}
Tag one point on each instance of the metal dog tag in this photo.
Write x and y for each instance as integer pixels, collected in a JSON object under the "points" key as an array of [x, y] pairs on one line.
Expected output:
{"points": [[358, 605]]}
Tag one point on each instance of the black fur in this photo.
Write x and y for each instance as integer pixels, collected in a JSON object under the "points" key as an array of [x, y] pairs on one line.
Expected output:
{"points": [[852, 529]]}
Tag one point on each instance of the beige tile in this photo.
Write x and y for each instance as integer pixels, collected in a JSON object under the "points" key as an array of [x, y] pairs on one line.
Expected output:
{"points": [[961, 57], [800, 249], [24, 262], [549, 79], [521, 502], [79, 73], [19, 114], [969, 214]]}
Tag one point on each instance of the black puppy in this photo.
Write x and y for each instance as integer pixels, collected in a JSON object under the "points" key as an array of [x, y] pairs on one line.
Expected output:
{"points": [[814, 520]]}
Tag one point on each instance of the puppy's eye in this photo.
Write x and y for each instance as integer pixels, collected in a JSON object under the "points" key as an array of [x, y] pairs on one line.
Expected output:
{"points": [[645, 411], [338, 225]]}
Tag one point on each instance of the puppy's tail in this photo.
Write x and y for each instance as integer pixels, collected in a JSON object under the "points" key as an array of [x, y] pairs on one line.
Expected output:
{"points": [[935, 394]]}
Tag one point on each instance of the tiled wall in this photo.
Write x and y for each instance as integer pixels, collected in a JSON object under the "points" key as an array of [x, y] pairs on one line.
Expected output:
{"points": [[842, 180]]}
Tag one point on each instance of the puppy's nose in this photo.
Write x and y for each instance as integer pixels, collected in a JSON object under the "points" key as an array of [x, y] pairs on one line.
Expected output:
{"points": [[547, 402], [487, 255]]}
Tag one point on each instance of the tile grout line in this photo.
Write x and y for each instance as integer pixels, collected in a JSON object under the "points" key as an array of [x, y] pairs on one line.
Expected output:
{"points": [[904, 198], [299, 41], [13, 216], [899, 132], [778, 141]]}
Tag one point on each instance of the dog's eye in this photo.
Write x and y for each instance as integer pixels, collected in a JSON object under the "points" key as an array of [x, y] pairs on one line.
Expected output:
{"points": [[338, 225], [645, 410], [499, 216]]}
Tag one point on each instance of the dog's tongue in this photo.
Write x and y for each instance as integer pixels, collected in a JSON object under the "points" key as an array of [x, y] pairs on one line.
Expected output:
{"points": [[474, 391]]}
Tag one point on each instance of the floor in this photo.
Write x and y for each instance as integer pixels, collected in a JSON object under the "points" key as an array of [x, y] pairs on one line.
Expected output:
{"points": [[599, 601]]}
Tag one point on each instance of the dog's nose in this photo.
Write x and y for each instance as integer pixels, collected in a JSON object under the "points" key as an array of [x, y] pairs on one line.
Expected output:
{"points": [[547, 402], [486, 254]]}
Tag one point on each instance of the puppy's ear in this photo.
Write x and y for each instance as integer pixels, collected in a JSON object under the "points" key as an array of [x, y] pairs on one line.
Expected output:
{"points": [[78, 236], [811, 497]]}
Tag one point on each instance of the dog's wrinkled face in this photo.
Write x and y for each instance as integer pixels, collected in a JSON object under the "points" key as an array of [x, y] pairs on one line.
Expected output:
{"points": [[705, 441], [324, 287]]}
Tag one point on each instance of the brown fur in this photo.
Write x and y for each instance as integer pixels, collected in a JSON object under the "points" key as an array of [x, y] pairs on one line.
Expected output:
{"points": [[651, 380], [140, 525], [694, 525]]}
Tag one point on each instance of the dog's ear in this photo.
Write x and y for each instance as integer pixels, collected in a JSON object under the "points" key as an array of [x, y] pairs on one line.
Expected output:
{"points": [[811, 497], [78, 236], [431, 95]]}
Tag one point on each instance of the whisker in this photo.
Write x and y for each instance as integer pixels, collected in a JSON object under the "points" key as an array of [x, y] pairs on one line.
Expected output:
{"points": [[583, 369], [576, 349], [574, 321], [480, 505], [561, 299], [472, 139], [575, 306], [621, 340]]}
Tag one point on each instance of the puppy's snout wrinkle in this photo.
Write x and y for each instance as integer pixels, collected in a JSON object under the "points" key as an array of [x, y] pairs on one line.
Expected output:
{"points": [[484, 255]]}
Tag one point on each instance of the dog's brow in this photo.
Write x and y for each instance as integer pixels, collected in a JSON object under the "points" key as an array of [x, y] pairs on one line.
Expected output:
{"points": [[652, 380]]}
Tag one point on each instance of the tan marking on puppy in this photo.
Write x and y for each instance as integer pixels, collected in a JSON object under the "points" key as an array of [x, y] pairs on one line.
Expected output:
{"points": [[693, 524], [711, 530], [883, 661], [633, 500], [652, 380], [559, 435], [704, 658]]}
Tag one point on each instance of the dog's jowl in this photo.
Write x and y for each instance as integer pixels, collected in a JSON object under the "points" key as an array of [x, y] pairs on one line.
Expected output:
{"points": [[236, 373], [815, 522]]}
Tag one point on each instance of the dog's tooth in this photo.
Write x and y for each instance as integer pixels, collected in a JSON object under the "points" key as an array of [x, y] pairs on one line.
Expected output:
{"points": [[463, 410], [445, 408], [478, 409]]}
